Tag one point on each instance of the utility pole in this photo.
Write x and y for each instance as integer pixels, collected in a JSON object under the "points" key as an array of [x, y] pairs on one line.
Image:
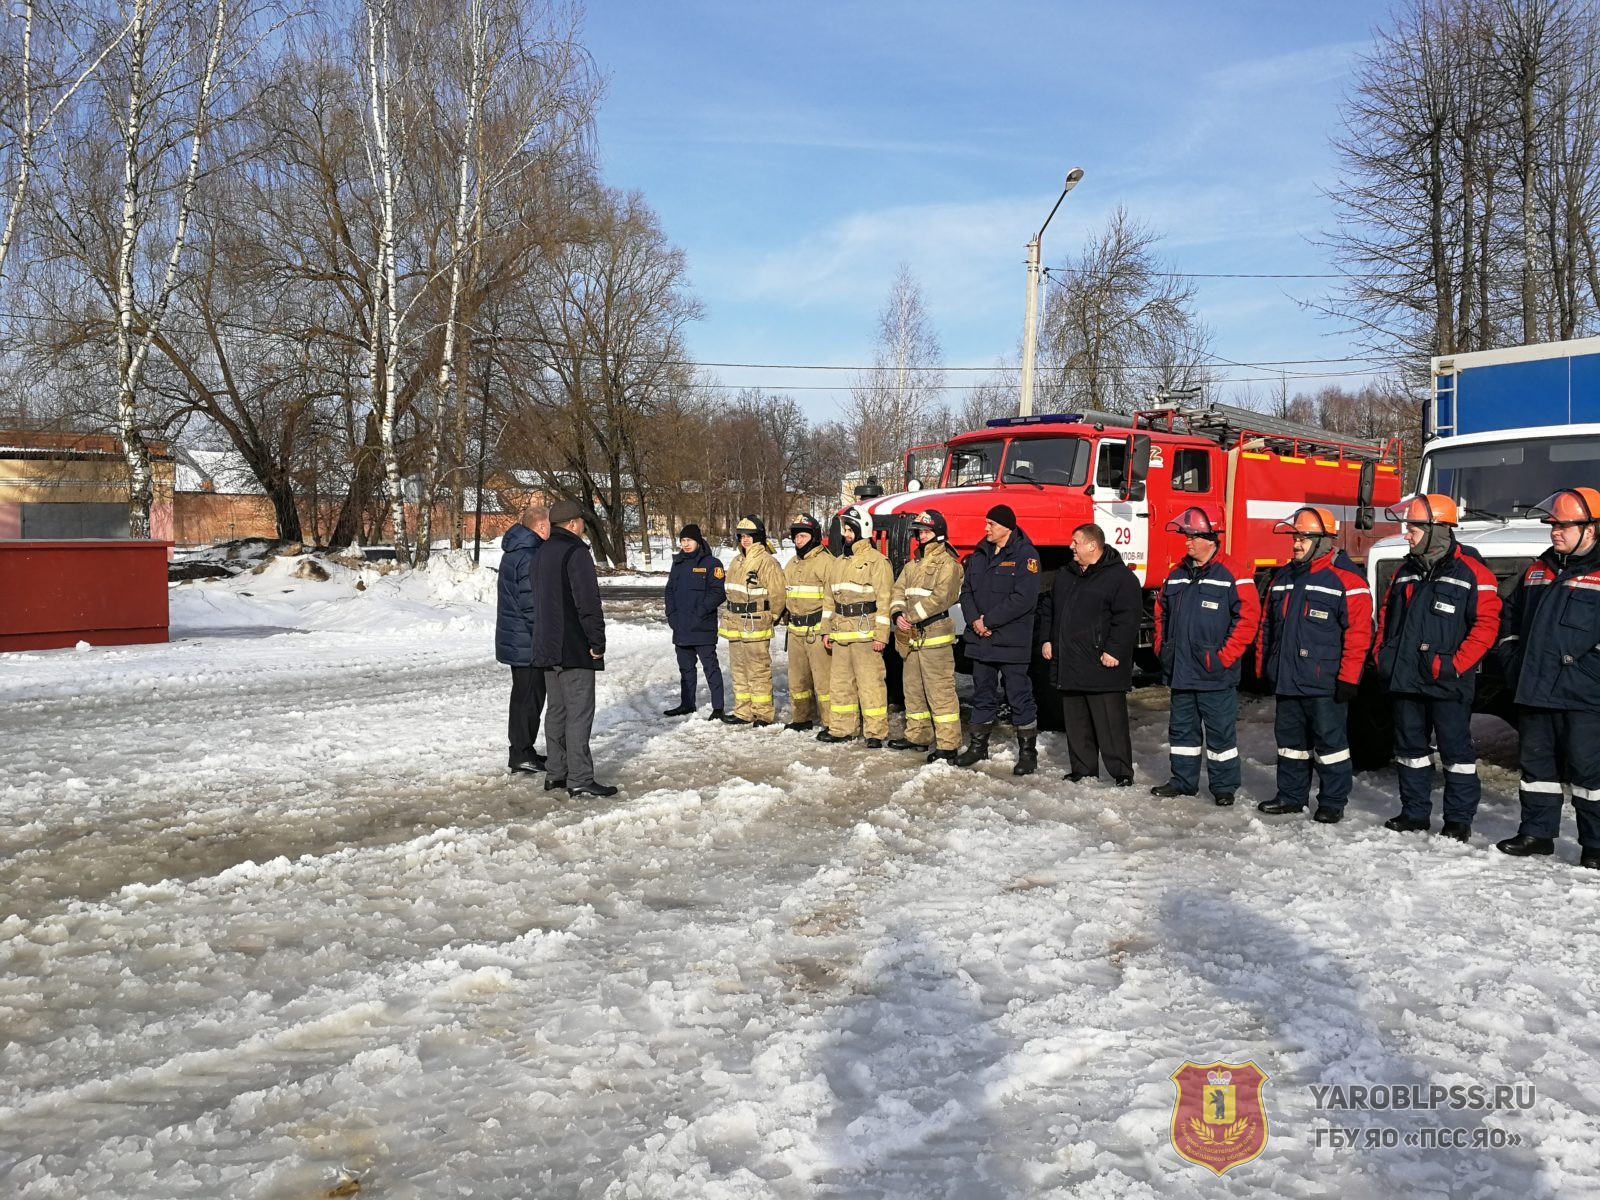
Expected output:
{"points": [[1030, 321]]}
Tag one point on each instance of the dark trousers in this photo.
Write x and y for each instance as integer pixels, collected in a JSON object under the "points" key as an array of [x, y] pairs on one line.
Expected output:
{"points": [[1416, 720], [1097, 727], [1559, 747], [706, 656], [527, 703], [567, 725], [1204, 722], [987, 680], [1312, 728]]}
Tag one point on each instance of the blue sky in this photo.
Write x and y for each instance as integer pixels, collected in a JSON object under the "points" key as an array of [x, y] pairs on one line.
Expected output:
{"points": [[798, 152]]}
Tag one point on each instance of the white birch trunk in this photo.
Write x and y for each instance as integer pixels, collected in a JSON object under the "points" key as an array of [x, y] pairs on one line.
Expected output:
{"points": [[383, 364], [444, 390], [138, 326]]}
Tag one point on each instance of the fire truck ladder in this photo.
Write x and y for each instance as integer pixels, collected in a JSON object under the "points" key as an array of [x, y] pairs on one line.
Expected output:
{"points": [[1230, 425]]}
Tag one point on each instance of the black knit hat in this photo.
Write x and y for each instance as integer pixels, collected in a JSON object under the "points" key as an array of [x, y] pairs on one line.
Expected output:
{"points": [[1001, 514], [690, 531]]}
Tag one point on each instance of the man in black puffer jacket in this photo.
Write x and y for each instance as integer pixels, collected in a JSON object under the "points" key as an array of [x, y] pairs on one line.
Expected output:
{"points": [[513, 634], [696, 588], [1089, 629]]}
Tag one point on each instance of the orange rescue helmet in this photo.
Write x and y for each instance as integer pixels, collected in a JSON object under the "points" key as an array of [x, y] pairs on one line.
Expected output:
{"points": [[1309, 522], [1200, 520], [1425, 508], [1569, 506]]}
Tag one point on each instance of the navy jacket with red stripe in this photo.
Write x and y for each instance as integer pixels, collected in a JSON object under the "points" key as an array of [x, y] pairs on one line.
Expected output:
{"points": [[1206, 618], [1550, 633], [1438, 623], [1317, 627]]}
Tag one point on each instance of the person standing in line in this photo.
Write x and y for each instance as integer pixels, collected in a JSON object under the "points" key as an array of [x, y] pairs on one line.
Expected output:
{"points": [[805, 583], [928, 587], [569, 645], [1440, 617], [999, 597], [754, 607], [855, 622], [513, 635], [1314, 640], [695, 590], [1207, 617], [1089, 623], [1550, 649]]}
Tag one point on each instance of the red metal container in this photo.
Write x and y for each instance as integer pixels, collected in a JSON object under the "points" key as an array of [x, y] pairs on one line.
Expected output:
{"points": [[106, 593]]}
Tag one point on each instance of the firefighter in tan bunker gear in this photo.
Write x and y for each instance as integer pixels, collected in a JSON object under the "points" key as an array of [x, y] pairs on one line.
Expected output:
{"points": [[754, 606], [925, 636], [855, 619], [805, 578]]}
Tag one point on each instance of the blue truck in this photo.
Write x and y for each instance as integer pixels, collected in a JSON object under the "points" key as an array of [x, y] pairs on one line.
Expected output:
{"points": [[1502, 430]]}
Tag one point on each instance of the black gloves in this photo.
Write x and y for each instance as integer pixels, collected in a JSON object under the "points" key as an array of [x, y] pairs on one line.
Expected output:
{"points": [[1444, 668], [1344, 691]]}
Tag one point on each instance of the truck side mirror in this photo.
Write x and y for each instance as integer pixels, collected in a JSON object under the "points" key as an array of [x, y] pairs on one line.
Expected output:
{"points": [[1138, 467], [1365, 518]]}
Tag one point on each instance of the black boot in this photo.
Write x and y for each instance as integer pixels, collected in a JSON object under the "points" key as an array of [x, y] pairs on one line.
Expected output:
{"points": [[1590, 859], [717, 715], [977, 747], [799, 726], [1457, 830], [900, 743], [1522, 846], [1027, 752], [1401, 823], [827, 735], [1168, 791], [729, 719], [1223, 799], [682, 710], [1327, 816], [948, 756], [1275, 808]]}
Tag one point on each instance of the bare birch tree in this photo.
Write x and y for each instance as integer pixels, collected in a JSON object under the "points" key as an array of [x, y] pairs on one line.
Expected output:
{"points": [[44, 70], [890, 401]]}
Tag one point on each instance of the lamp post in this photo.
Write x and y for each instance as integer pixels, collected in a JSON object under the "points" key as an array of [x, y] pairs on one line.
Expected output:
{"points": [[1030, 321]]}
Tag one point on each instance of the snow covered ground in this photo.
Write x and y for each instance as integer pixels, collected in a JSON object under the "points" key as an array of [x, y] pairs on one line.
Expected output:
{"points": [[271, 907]]}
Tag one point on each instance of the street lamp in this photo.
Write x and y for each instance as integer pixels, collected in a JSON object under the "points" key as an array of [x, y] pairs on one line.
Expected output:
{"points": [[1030, 321]]}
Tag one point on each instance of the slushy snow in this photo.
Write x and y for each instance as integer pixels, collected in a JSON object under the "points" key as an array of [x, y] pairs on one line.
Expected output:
{"points": [[271, 909]]}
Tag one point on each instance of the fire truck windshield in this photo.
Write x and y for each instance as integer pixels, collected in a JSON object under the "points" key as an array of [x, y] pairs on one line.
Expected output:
{"points": [[1503, 479], [974, 462], [1062, 461]]}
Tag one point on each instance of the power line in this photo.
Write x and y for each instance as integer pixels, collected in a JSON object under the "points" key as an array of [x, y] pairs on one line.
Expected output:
{"points": [[1219, 274]]}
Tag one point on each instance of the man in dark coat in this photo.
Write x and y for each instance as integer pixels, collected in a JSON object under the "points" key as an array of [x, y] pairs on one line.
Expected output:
{"points": [[513, 634], [1089, 625], [569, 645], [695, 590], [999, 595]]}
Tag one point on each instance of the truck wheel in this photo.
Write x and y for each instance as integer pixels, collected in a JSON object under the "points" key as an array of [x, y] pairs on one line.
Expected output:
{"points": [[1370, 727]]}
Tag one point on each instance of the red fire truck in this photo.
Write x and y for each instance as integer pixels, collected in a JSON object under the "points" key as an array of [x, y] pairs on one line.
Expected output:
{"points": [[1131, 475]]}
